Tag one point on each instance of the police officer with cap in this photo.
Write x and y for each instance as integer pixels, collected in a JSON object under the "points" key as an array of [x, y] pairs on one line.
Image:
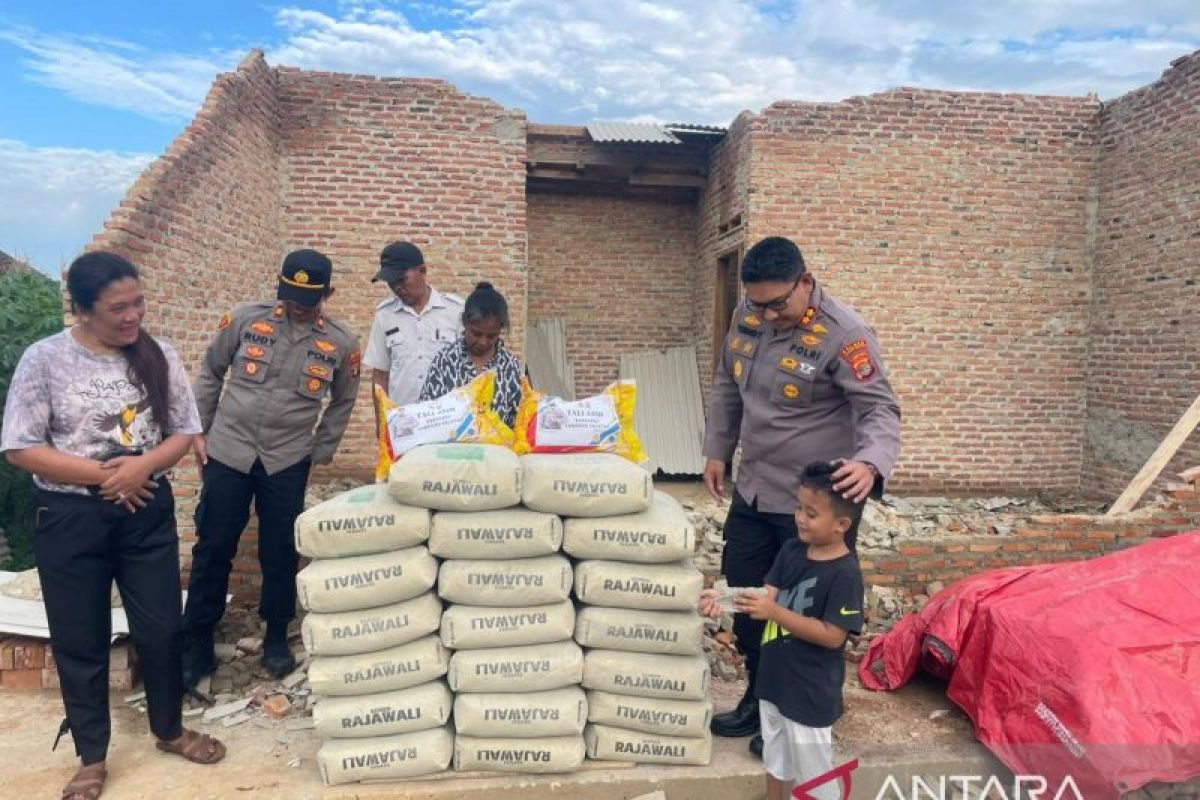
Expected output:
{"points": [[261, 437], [410, 328]]}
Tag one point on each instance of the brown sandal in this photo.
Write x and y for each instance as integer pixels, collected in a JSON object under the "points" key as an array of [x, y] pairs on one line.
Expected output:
{"points": [[199, 748], [87, 784]]}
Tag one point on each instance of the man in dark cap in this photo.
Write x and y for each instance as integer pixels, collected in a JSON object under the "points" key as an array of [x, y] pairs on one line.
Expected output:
{"points": [[283, 359], [410, 328]]}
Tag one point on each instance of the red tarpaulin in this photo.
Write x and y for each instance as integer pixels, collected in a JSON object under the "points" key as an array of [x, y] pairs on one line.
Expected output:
{"points": [[1089, 668]]}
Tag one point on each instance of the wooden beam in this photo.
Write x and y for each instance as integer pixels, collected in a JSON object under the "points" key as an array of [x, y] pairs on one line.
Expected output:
{"points": [[668, 179], [1155, 464]]}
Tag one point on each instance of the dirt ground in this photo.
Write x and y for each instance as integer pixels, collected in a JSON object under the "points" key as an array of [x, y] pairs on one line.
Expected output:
{"points": [[267, 760]]}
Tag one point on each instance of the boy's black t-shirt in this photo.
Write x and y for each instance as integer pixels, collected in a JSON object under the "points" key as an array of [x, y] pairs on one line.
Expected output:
{"points": [[802, 679]]}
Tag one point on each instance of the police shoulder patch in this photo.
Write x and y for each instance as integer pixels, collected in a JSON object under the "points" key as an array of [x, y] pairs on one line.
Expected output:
{"points": [[858, 355]]}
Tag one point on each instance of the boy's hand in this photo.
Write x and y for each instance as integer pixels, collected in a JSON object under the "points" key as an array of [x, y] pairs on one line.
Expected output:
{"points": [[758, 606], [710, 603]]}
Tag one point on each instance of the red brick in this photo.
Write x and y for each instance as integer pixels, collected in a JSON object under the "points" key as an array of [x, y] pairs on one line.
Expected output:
{"points": [[21, 679]]}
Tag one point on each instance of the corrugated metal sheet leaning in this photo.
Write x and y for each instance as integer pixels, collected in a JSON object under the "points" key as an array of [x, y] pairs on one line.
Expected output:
{"points": [[670, 409]]}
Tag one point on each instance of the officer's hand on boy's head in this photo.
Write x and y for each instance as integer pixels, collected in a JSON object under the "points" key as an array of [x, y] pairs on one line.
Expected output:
{"points": [[854, 480]]}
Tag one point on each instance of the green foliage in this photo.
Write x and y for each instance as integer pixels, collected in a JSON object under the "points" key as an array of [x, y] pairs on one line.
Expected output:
{"points": [[30, 309]]}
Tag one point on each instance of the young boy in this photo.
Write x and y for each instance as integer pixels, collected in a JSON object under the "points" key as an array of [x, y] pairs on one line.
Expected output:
{"points": [[814, 600]]}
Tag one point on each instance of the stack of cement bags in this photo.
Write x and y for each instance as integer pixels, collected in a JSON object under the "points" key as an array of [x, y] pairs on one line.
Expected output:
{"points": [[515, 671], [646, 677], [376, 661]]}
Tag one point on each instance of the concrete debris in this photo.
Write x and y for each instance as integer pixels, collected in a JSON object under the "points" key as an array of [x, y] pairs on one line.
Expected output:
{"points": [[300, 724], [295, 679], [940, 713], [192, 712], [225, 710], [250, 645], [724, 661], [238, 718], [709, 521], [135, 697], [225, 651]]}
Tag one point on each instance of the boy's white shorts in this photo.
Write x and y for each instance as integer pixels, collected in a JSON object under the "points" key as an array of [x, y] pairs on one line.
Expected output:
{"points": [[795, 752]]}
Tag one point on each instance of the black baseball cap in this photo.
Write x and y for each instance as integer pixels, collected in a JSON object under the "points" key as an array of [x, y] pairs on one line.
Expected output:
{"points": [[304, 277], [396, 259]]}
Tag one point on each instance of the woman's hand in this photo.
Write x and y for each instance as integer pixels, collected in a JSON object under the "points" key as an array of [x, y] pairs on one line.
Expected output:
{"points": [[128, 483]]}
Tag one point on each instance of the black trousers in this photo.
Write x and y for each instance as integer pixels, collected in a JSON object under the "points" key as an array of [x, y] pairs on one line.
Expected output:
{"points": [[221, 516], [753, 539], [82, 544]]}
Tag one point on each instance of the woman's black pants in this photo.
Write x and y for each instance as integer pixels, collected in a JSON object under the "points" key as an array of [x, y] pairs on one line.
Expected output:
{"points": [[82, 544]]}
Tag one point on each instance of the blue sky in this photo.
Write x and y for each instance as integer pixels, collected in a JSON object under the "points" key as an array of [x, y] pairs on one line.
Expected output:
{"points": [[93, 92]]}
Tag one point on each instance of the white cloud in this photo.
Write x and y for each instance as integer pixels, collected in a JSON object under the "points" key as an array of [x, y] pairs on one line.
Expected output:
{"points": [[117, 74], [52, 199]]}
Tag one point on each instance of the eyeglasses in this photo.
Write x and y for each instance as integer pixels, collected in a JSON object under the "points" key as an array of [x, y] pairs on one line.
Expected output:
{"points": [[779, 303]]}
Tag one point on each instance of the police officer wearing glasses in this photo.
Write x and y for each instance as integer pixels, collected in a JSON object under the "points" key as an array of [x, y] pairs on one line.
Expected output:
{"points": [[800, 379]]}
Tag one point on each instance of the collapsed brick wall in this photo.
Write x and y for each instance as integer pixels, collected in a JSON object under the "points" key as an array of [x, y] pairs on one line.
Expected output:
{"points": [[204, 225], [619, 269], [1144, 363], [956, 224], [926, 565]]}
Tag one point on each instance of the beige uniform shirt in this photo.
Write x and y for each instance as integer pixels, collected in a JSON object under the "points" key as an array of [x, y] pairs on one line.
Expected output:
{"points": [[279, 374], [818, 392], [403, 342]]}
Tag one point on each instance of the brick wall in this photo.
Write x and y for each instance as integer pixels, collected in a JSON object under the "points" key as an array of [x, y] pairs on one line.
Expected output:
{"points": [[927, 564], [204, 225], [619, 269], [721, 207], [956, 223], [1144, 362], [371, 160]]}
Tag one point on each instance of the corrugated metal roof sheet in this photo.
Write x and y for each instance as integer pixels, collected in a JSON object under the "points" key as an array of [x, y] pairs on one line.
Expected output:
{"points": [[670, 410], [639, 132], [690, 127]]}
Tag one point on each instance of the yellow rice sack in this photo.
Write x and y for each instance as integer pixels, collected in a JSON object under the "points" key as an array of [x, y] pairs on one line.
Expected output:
{"points": [[602, 423]]}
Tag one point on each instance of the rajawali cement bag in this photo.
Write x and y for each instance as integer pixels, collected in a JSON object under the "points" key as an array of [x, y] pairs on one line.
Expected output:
{"points": [[360, 521], [544, 754], [558, 712], [585, 485], [668, 632], [509, 533], [417, 708], [528, 668], [346, 632], [665, 587], [650, 714], [457, 477], [512, 583], [345, 584], [605, 743], [400, 667], [646, 674], [469, 627], [403, 755], [659, 534]]}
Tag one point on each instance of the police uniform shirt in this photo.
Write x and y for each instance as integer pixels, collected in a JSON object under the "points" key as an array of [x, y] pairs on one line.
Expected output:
{"points": [[818, 392], [403, 342], [279, 374]]}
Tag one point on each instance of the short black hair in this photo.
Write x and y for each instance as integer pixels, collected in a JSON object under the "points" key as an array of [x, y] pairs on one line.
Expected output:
{"points": [[485, 302], [818, 476], [773, 259]]}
